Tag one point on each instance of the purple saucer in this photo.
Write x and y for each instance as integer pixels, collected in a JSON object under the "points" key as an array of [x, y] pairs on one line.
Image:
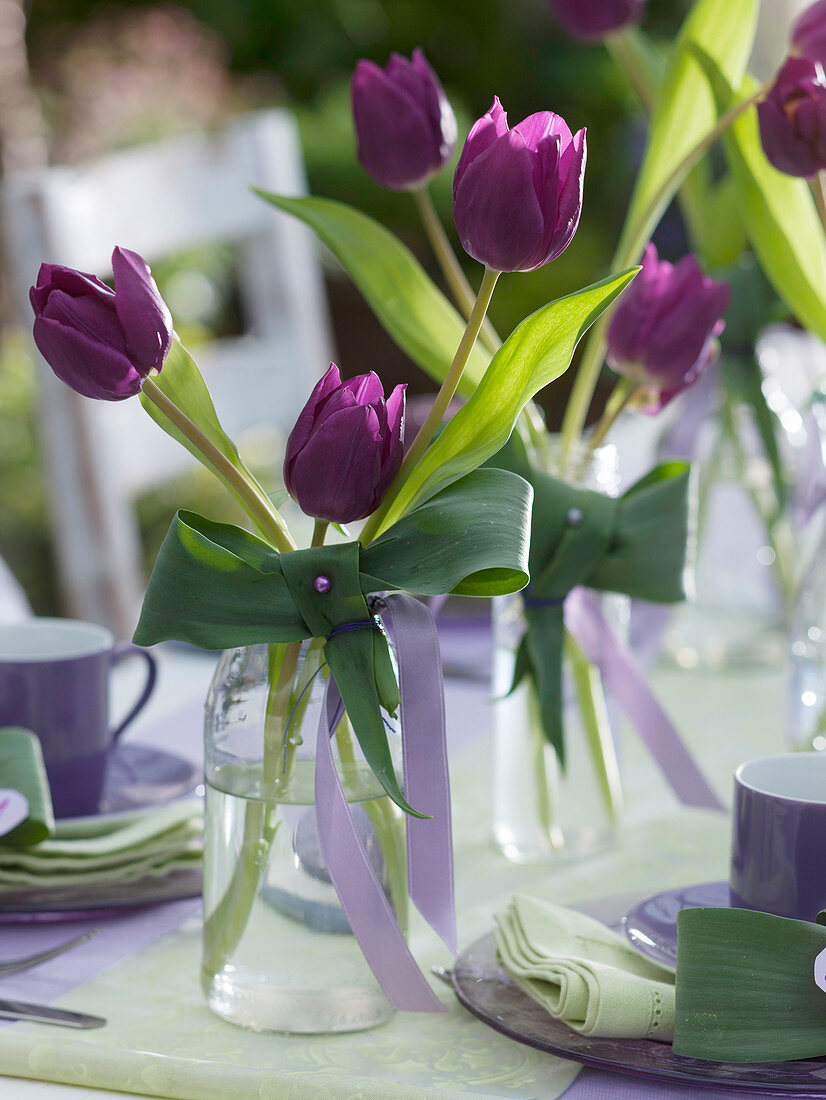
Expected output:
{"points": [[651, 925], [485, 989], [139, 775]]}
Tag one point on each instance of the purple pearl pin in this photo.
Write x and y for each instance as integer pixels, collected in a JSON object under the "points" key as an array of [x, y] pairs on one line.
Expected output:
{"points": [[322, 584]]}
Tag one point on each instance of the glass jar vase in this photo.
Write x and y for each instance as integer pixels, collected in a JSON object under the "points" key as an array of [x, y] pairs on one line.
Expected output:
{"points": [[542, 813], [278, 952]]}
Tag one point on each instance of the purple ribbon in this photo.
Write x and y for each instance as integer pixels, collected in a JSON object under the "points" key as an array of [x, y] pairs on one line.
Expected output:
{"points": [[430, 852], [624, 680], [424, 750]]}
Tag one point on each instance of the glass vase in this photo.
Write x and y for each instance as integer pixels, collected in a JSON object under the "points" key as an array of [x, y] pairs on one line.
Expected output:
{"points": [[278, 952], [542, 813]]}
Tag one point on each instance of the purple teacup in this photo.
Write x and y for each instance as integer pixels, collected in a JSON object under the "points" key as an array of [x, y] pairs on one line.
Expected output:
{"points": [[54, 680], [778, 848]]}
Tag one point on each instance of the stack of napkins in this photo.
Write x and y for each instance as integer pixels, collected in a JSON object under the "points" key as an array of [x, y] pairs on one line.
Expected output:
{"points": [[110, 856], [583, 973]]}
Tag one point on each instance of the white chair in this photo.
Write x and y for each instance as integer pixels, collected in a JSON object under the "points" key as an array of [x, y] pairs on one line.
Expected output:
{"points": [[160, 200], [14, 606]]}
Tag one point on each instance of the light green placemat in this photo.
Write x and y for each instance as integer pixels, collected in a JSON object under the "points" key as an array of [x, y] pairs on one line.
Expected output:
{"points": [[162, 1040]]}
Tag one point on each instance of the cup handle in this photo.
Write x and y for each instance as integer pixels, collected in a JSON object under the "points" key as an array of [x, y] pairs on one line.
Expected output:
{"points": [[121, 652]]}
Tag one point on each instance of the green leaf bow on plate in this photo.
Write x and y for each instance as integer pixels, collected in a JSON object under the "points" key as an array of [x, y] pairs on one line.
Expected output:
{"points": [[747, 988], [217, 586], [634, 544]]}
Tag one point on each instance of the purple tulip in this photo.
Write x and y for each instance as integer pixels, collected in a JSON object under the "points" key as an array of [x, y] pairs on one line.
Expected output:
{"points": [[405, 127], [101, 342], [793, 119], [662, 334], [345, 448], [809, 32], [517, 194], [594, 19]]}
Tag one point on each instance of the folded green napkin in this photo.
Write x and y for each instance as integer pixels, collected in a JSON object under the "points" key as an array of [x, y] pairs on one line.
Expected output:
{"points": [[109, 849], [583, 973]]}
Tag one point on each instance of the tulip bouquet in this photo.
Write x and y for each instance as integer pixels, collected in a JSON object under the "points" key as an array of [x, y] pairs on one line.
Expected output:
{"points": [[517, 200], [435, 523]]}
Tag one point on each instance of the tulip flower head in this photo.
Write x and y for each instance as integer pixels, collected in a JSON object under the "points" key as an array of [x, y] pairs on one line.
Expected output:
{"points": [[809, 32], [405, 126], [662, 335], [793, 119], [101, 342], [346, 447], [517, 193], [594, 19]]}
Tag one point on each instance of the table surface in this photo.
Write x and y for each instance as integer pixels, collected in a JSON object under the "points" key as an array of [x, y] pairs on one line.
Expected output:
{"points": [[724, 718]]}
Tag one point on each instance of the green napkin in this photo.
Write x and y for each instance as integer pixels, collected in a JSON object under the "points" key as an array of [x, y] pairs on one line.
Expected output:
{"points": [[583, 973], [109, 849]]}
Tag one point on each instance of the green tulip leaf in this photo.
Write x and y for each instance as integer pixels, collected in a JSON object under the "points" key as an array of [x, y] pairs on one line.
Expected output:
{"points": [[413, 311], [182, 382], [536, 352], [687, 109], [22, 769], [745, 987], [484, 515], [777, 211]]}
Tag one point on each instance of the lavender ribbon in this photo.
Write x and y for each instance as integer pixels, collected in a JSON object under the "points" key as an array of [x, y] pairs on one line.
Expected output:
{"points": [[624, 680], [424, 749], [430, 851]]}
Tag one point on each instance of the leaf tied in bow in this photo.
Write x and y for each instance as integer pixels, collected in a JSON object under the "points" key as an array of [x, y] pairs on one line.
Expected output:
{"points": [[217, 586], [634, 544]]}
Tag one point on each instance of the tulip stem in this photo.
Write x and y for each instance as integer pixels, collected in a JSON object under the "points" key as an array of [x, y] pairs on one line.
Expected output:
{"points": [[319, 532], [619, 399], [451, 269], [818, 185], [631, 245], [439, 406], [256, 504], [531, 421]]}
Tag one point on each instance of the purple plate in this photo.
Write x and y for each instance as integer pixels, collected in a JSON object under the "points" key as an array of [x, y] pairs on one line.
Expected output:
{"points": [[651, 925], [485, 989]]}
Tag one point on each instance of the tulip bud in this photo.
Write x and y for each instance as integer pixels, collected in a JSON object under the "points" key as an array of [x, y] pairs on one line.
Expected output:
{"points": [[594, 19], [809, 32], [793, 119], [517, 194], [101, 342], [405, 127], [662, 334], [345, 448]]}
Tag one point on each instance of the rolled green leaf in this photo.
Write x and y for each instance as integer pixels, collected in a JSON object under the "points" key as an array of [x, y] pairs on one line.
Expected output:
{"points": [[634, 544], [217, 586], [745, 987], [22, 769]]}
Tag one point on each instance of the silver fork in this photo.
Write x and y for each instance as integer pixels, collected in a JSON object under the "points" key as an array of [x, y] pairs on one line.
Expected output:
{"points": [[15, 966]]}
